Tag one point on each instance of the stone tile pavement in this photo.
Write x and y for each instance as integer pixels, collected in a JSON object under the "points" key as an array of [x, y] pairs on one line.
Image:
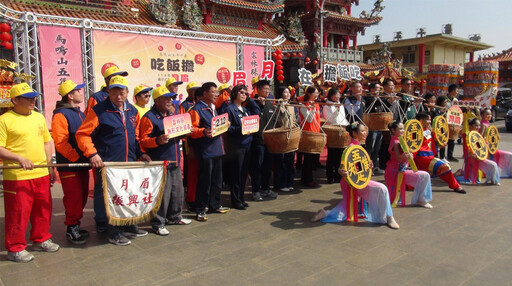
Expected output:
{"points": [[464, 240]]}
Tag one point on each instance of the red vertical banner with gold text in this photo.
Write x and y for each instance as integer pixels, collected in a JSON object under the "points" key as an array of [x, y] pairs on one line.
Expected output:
{"points": [[61, 59]]}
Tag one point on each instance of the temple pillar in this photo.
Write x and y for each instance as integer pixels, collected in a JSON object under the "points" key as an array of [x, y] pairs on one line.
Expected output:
{"points": [[471, 57], [421, 57]]}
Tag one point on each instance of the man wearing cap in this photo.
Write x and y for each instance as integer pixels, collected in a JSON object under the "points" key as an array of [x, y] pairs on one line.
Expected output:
{"points": [[25, 141], [190, 100], [141, 96], [172, 84], [162, 148], [110, 133], [67, 118], [101, 95], [209, 151], [224, 99]]}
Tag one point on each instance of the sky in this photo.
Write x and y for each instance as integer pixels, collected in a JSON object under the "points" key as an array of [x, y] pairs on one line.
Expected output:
{"points": [[492, 19]]}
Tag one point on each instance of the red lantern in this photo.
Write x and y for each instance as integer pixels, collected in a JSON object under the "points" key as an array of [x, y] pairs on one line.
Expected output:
{"points": [[279, 56], [280, 72], [4, 27], [294, 55], [315, 62], [274, 55], [287, 55], [279, 52], [279, 62], [308, 60], [461, 81], [5, 37], [279, 67], [6, 45], [280, 77], [299, 55]]}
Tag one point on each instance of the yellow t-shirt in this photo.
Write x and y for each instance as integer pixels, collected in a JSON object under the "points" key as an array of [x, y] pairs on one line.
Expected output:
{"points": [[142, 110], [24, 135]]}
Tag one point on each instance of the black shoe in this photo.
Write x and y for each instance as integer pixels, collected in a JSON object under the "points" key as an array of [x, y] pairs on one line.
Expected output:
{"points": [[453, 159], [201, 216], [238, 206], [460, 191], [245, 204], [101, 227], [84, 233], [73, 234]]}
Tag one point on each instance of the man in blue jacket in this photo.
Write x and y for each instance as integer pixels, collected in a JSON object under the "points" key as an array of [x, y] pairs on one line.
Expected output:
{"points": [[209, 150], [162, 148], [110, 133]]}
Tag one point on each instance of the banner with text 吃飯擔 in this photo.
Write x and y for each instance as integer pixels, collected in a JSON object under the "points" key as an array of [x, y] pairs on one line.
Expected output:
{"points": [[62, 60], [151, 60], [253, 57]]}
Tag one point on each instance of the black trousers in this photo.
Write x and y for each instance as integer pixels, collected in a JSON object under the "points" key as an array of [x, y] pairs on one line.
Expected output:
{"points": [[284, 172], [451, 146], [384, 155], [333, 163], [239, 161], [209, 184], [310, 161]]}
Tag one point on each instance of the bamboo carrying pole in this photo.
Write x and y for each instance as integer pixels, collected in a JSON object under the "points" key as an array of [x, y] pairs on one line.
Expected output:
{"points": [[107, 164]]}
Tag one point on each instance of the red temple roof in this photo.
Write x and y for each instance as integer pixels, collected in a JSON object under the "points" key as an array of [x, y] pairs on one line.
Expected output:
{"points": [[505, 56], [267, 7]]}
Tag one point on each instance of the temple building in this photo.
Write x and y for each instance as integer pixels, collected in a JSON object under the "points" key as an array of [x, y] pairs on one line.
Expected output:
{"points": [[505, 67], [417, 53]]}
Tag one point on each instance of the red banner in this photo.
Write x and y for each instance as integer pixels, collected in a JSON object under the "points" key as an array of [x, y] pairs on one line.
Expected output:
{"points": [[61, 60]]}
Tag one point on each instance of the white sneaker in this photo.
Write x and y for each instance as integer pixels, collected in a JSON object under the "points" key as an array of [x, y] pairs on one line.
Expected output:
{"points": [[46, 246], [162, 231], [425, 205], [20, 256]]}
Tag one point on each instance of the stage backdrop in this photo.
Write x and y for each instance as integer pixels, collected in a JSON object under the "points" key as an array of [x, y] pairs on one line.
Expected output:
{"points": [[61, 59], [151, 60]]}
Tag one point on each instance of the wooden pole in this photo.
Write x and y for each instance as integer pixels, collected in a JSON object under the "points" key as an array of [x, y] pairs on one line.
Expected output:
{"points": [[107, 164]]}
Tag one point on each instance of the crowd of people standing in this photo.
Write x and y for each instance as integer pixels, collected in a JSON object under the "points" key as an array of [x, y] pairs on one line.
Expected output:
{"points": [[114, 130]]}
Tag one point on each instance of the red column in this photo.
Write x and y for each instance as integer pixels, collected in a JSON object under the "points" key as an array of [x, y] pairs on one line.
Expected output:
{"points": [[354, 42], [308, 5], [260, 25], [471, 56], [349, 9], [207, 18], [421, 57], [325, 38], [346, 42]]}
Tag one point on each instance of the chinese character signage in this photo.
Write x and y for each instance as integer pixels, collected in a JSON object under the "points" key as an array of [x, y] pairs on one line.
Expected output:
{"points": [[132, 194], [305, 77], [239, 77], [350, 72], [220, 124], [356, 161], [454, 115], [177, 125], [250, 124], [413, 135], [477, 145], [253, 57], [62, 60], [154, 59], [267, 70]]}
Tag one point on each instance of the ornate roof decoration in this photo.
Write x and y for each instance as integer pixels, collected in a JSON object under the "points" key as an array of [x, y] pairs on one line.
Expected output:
{"points": [[266, 6], [192, 16], [294, 30], [505, 56], [348, 18], [164, 11], [375, 12]]}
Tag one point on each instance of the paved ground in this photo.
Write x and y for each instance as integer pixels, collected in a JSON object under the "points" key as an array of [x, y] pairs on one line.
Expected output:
{"points": [[464, 240]]}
